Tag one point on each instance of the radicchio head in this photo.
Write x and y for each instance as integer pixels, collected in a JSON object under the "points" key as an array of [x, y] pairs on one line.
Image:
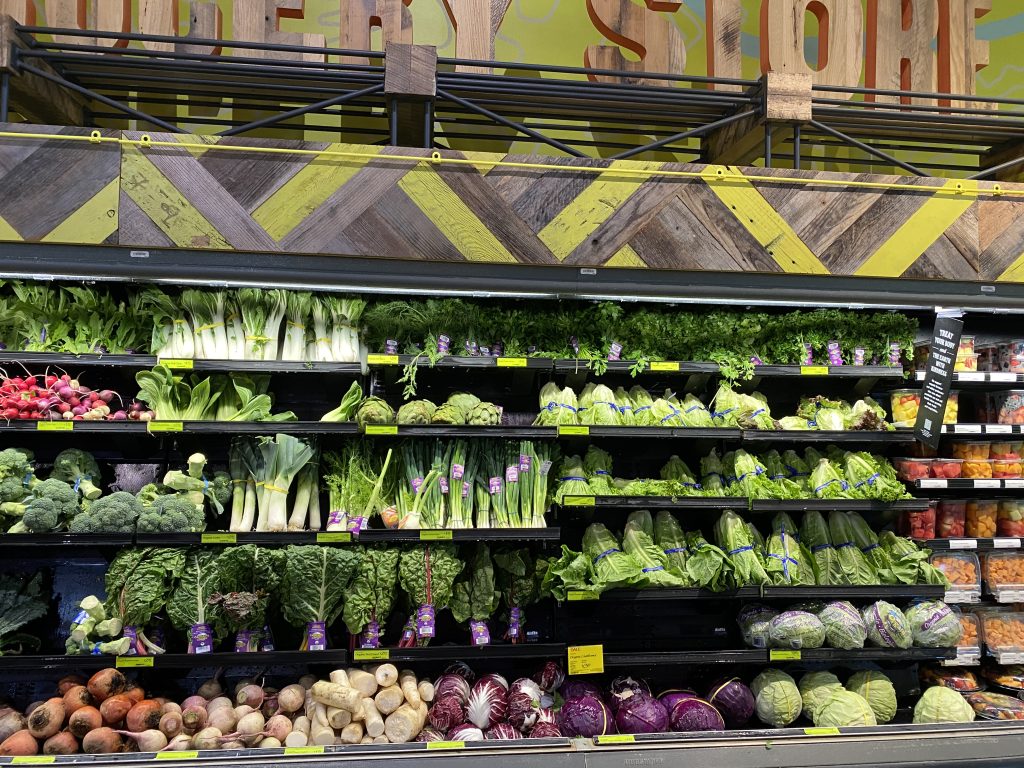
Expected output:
{"points": [[488, 701]]}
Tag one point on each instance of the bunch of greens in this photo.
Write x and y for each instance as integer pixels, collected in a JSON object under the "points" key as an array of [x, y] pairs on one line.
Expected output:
{"points": [[234, 397], [733, 536], [371, 595], [359, 485], [21, 601], [249, 580], [475, 597], [669, 537], [612, 567], [638, 543], [138, 584], [519, 578], [313, 585], [854, 565], [706, 564], [572, 571], [427, 575], [787, 561], [190, 607], [814, 534], [557, 406], [910, 563]]}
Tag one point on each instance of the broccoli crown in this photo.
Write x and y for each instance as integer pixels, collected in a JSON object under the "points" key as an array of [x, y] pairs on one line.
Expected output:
{"points": [[41, 515], [14, 463], [60, 493], [72, 464], [12, 489], [220, 488], [171, 514], [116, 513]]}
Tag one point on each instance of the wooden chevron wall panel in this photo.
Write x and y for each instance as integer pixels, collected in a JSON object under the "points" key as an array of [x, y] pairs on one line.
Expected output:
{"points": [[386, 202], [58, 191]]}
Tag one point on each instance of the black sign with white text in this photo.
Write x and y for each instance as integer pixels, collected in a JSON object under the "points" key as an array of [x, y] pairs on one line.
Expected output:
{"points": [[937, 379]]}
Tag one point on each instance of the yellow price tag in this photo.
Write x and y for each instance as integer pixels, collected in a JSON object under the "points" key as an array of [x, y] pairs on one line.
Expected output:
{"points": [[133, 662], [665, 366], [511, 362], [574, 595], [188, 755], [578, 501], [176, 363], [775, 655], [586, 659], [55, 426], [446, 745], [435, 535], [334, 537], [33, 759], [382, 359], [381, 429], [821, 731], [814, 370], [218, 538], [368, 654], [569, 430], [165, 426], [617, 738], [309, 750]]}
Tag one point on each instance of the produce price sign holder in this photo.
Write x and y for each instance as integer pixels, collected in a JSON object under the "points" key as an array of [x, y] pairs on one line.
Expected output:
{"points": [[938, 377]]}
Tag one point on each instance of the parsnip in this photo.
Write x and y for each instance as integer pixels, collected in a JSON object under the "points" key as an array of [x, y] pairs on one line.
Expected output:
{"points": [[352, 733], [366, 740], [385, 674], [389, 699], [407, 680], [340, 677], [301, 724], [381, 740], [425, 688], [363, 682], [296, 739], [320, 715], [404, 724], [338, 718], [372, 721], [321, 735], [335, 695]]}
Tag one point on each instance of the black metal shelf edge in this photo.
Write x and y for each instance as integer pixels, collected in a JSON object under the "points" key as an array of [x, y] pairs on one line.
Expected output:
{"points": [[170, 426], [85, 540], [841, 505], [62, 360], [669, 658], [381, 360], [467, 653], [762, 656], [875, 654], [739, 502], [815, 436], [440, 430], [175, 660], [871, 593], [969, 543], [834, 371], [961, 484]]}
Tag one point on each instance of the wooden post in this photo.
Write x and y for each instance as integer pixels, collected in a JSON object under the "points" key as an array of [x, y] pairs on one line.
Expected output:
{"points": [[476, 24], [787, 101], [410, 85], [32, 97]]}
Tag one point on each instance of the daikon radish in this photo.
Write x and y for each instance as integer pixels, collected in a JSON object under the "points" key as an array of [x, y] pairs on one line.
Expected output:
{"points": [[352, 733], [335, 695], [301, 724], [372, 721], [296, 739], [362, 681], [320, 735], [407, 681], [425, 689], [403, 725], [389, 699], [339, 677], [338, 718], [385, 674]]}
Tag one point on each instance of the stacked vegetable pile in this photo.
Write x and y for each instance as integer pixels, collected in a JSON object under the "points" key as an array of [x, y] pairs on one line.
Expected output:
{"points": [[656, 552], [210, 594], [836, 474], [460, 408], [926, 624], [110, 713]]}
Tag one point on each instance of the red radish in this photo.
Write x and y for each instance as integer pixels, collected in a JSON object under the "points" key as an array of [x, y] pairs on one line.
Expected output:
{"points": [[75, 698], [106, 683], [84, 720], [102, 741], [115, 708], [21, 743], [46, 719], [62, 743]]}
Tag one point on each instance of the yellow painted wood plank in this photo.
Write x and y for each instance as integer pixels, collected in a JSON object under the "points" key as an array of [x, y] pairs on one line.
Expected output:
{"points": [[483, 161], [93, 222], [1013, 273], [192, 138], [165, 205], [626, 257], [916, 235], [308, 189], [766, 224], [592, 207], [452, 216], [9, 233]]}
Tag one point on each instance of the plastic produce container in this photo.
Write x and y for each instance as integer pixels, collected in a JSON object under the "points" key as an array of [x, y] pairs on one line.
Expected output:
{"points": [[1006, 352], [948, 469], [1006, 469], [922, 451], [909, 470], [964, 573], [919, 525], [970, 640], [905, 404], [976, 469], [988, 357], [959, 679], [1004, 572], [966, 364], [1010, 521], [966, 346], [1003, 632], [951, 519], [981, 517], [952, 407], [1006, 676], [974, 449], [1009, 406], [995, 706], [1006, 449]]}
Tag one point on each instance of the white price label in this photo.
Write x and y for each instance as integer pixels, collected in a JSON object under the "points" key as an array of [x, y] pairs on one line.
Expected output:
{"points": [[1006, 543], [988, 483], [1010, 595], [1002, 377], [962, 596], [963, 543], [1014, 483], [932, 483], [967, 429], [998, 429], [1010, 658], [970, 377], [963, 660]]}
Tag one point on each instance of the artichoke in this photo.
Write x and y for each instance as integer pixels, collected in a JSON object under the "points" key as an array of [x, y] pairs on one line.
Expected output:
{"points": [[465, 402], [416, 412], [484, 415], [373, 410], [448, 414]]}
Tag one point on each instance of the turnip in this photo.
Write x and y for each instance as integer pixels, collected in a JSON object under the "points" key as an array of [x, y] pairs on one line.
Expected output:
{"points": [[269, 742], [208, 738], [179, 743], [84, 720], [279, 726], [233, 744], [63, 743], [223, 718], [291, 698], [170, 724], [193, 719], [150, 740], [211, 689], [171, 706], [46, 719], [250, 725], [102, 741], [242, 710], [193, 701], [244, 682], [251, 695]]}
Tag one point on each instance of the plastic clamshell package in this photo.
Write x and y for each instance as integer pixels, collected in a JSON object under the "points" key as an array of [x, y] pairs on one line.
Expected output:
{"points": [[961, 568], [1011, 518], [951, 519], [1003, 632], [971, 449], [996, 706], [1009, 406], [981, 517], [1009, 676], [958, 679], [1004, 570]]}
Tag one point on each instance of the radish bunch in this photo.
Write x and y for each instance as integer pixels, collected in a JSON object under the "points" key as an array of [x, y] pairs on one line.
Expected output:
{"points": [[52, 397]]}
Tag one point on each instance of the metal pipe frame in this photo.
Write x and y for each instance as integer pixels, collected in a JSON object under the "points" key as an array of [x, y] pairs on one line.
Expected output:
{"points": [[867, 148], [302, 111]]}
